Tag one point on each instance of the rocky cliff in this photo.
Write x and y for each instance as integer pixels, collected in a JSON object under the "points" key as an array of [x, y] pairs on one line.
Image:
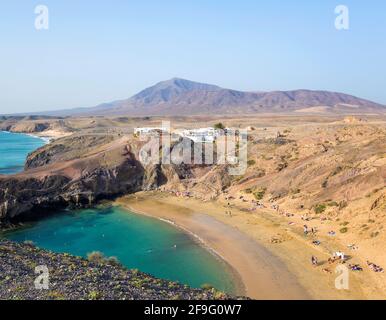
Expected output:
{"points": [[71, 173], [78, 171]]}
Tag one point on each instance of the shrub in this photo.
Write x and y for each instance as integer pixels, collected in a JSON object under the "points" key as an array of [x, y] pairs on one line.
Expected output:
{"points": [[251, 162], [135, 271], [207, 286], [219, 126], [113, 261], [343, 230], [281, 166], [94, 295], [295, 191], [219, 295], [320, 208], [96, 257], [259, 195], [343, 204]]}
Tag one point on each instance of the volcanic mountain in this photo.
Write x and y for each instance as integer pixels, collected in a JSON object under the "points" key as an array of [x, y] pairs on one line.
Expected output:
{"points": [[183, 97]]}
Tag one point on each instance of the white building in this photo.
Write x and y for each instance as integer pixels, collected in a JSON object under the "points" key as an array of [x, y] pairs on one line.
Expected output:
{"points": [[149, 130], [203, 135]]}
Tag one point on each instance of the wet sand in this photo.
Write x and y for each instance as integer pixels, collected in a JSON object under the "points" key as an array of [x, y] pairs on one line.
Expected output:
{"points": [[267, 270], [263, 275]]}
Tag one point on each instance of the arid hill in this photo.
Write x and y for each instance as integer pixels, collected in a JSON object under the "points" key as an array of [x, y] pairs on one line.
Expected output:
{"points": [[325, 172], [183, 97]]}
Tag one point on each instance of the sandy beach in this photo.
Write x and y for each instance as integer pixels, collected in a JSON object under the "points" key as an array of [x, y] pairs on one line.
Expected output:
{"points": [[49, 135], [262, 275], [267, 270]]}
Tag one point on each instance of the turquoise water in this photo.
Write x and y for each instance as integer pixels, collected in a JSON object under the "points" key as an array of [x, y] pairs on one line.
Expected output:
{"points": [[147, 244], [137, 241], [14, 149]]}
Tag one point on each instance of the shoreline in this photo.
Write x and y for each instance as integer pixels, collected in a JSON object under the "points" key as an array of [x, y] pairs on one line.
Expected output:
{"points": [[239, 286], [268, 269], [47, 137], [262, 276]]}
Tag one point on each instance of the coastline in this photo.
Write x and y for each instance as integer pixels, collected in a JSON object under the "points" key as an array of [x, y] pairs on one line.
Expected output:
{"points": [[268, 270], [46, 136], [46, 139], [239, 285], [277, 234], [260, 274]]}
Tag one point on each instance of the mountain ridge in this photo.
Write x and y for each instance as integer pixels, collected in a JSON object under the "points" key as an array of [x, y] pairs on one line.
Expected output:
{"points": [[184, 97]]}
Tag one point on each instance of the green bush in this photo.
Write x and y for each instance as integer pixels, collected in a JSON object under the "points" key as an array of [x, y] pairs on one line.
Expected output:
{"points": [[259, 195], [343, 230], [113, 261], [219, 126], [251, 162], [96, 257], [320, 208], [207, 286], [94, 295]]}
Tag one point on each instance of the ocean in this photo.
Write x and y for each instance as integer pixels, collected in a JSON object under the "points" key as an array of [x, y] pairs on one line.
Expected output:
{"points": [[14, 148]]}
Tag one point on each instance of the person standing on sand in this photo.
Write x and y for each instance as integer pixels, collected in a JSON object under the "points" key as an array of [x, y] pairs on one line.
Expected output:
{"points": [[314, 261]]}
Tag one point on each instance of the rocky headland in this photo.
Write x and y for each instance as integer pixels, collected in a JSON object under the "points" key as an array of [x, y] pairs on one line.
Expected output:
{"points": [[75, 278]]}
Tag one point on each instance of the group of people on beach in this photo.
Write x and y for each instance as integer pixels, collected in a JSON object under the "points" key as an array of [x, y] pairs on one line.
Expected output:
{"points": [[374, 267], [338, 255], [307, 230]]}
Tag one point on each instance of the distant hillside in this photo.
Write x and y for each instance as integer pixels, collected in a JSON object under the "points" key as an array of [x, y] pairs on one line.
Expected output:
{"points": [[184, 97]]}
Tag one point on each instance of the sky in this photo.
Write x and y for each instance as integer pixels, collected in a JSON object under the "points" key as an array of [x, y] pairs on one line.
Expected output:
{"points": [[97, 51]]}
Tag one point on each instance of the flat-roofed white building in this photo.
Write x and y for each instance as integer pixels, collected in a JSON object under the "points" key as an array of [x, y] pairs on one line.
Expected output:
{"points": [[148, 130], [203, 135]]}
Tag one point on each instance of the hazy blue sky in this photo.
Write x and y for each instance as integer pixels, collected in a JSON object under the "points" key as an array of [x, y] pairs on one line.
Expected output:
{"points": [[99, 50]]}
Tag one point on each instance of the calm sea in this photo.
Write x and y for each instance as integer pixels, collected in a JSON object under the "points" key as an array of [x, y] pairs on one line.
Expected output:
{"points": [[14, 148], [140, 242]]}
